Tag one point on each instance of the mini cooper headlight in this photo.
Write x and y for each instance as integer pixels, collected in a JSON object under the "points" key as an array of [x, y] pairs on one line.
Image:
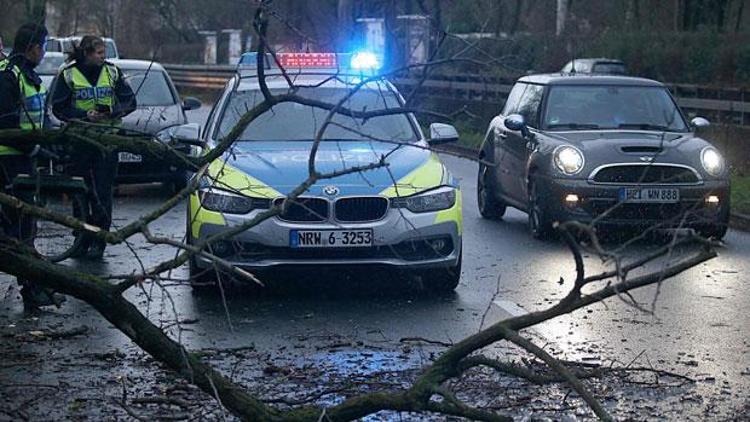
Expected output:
{"points": [[712, 161], [227, 202], [434, 200], [568, 159]]}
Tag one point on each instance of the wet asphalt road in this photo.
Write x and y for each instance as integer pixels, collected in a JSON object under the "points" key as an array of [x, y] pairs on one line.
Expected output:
{"points": [[701, 326]]}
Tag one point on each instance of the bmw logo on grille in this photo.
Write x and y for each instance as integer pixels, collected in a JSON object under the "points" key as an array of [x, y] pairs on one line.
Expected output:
{"points": [[331, 190]]}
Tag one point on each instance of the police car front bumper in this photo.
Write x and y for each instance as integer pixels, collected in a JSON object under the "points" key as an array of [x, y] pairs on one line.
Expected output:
{"points": [[401, 239]]}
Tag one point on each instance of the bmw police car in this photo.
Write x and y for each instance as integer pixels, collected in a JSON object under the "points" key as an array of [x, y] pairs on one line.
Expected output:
{"points": [[403, 216]]}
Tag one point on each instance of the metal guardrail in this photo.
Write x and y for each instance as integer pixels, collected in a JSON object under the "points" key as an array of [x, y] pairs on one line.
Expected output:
{"points": [[494, 91]]}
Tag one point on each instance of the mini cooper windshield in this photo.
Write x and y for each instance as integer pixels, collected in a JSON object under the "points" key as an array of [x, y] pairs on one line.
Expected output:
{"points": [[612, 107], [304, 121]]}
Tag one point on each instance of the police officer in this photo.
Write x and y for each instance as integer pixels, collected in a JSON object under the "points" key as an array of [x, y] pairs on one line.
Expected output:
{"points": [[22, 106], [94, 90]]}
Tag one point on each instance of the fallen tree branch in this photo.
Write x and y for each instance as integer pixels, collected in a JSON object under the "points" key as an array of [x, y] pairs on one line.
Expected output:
{"points": [[577, 385]]}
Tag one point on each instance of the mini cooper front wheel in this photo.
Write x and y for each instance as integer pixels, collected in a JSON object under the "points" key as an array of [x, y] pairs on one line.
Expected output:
{"points": [[489, 206], [540, 223]]}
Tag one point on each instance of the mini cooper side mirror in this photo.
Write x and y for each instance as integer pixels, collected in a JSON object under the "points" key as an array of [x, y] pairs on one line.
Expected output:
{"points": [[699, 122], [516, 122], [441, 133], [191, 103]]}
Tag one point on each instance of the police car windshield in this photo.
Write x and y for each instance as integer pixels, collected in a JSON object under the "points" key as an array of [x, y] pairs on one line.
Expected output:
{"points": [[297, 122], [612, 107], [152, 90]]}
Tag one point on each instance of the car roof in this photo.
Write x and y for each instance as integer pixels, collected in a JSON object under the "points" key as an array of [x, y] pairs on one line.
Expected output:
{"points": [[587, 79], [598, 60], [136, 64], [78, 38], [326, 80]]}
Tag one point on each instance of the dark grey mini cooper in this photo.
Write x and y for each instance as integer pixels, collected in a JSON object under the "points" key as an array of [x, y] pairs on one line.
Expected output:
{"points": [[613, 151]]}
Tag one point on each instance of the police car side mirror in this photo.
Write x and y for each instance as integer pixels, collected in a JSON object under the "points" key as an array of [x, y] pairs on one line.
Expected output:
{"points": [[441, 133], [189, 134], [191, 103]]}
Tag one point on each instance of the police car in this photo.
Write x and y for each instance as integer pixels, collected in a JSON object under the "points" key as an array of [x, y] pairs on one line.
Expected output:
{"points": [[403, 216]]}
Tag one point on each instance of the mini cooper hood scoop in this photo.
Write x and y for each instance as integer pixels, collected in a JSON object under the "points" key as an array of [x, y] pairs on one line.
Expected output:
{"points": [[633, 143], [603, 147], [624, 137]]}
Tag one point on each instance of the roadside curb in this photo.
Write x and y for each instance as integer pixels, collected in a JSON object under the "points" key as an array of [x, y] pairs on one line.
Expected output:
{"points": [[739, 221]]}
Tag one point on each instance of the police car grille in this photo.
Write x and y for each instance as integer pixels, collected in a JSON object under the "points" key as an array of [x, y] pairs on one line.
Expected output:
{"points": [[361, 209], [412, 250], [305, 210], [646, 174]]}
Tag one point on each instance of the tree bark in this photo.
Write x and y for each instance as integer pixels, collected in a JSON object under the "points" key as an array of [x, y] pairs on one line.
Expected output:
{"points": [[36, 11], [516, 19], [562, 13], [738, 25]]}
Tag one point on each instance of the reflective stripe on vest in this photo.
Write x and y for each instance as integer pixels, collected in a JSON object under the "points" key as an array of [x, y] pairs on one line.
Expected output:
{"points": [[33, 104], [85, 96]]}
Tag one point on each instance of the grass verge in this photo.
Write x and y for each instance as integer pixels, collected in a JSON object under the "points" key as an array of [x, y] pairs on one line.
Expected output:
{"points": [[741, 194]]}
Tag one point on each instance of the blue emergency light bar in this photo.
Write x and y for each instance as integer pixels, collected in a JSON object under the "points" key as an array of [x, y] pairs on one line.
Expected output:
{"points": [[350, 63]]}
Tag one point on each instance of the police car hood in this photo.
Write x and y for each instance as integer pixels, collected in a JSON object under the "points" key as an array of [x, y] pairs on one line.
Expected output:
{"points": [[151, 120], [283, 166]]}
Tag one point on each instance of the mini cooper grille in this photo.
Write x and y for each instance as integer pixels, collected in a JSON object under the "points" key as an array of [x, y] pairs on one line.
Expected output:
{"points": [[305, 209], [646, 174], [641, 212], [361, 209]]}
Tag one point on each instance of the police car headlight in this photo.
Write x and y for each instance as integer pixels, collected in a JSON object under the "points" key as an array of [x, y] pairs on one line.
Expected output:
{"points": [[227, 202], [712, 161], [568, 159], [434, 200]]}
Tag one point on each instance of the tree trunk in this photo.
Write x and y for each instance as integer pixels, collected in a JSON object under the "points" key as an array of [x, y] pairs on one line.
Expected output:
{"points": [[516, 20], [36, 11], [345, 15], [739, 16], [562, 12], [721, 8]]}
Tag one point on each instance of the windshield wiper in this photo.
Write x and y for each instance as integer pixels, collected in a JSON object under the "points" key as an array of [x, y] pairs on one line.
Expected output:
{"points": [[574, 126], [644, 126]]}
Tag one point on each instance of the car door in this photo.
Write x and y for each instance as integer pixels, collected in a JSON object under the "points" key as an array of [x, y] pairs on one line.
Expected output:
{"points": [[500, 135], [518, 147]]}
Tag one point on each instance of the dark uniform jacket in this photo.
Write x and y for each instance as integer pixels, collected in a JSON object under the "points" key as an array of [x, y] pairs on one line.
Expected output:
{"points": [[10, 94], [63, 102]]}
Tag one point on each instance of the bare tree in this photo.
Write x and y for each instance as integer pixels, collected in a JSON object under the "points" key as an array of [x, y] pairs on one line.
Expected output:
{"points": [[432, 389], [36, 10]]}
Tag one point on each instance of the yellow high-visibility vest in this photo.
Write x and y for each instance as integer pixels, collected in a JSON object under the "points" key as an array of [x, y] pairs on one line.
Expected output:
{"points": [[33, 100]]}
